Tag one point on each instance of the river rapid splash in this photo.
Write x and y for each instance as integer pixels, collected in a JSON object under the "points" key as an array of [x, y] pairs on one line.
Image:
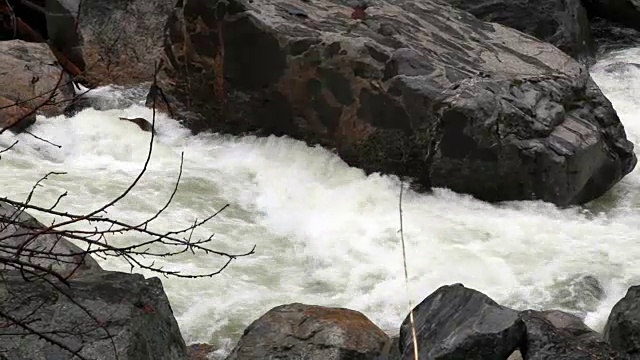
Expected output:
{"points": [[325, 232]]}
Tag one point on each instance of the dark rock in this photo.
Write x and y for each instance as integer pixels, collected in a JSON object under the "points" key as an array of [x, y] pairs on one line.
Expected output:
{"points": [[200, 351], [455, 322], [112, 316], [16, 231], [471, 106], [52, 22], [123, 39], [143, 124], [622, 330], [562, 23], [394, 349], [610, 36], [298, 331], [29, 73], [623, 12], [561, 336]]}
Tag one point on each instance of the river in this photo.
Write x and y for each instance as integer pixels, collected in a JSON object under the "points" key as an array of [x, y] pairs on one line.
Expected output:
{"points": [[325, 232]]}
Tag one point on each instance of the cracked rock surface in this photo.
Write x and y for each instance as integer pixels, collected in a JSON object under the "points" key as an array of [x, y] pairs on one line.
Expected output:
{"points": [[416, 89]]}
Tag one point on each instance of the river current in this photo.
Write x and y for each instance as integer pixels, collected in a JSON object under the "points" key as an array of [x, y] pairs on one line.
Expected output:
{"points": [[327, 234]]}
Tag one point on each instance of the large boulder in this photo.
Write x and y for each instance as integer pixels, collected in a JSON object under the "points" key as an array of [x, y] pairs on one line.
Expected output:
{"points": [[123, 39], [418, 89], [456, 322], [104, 315], [20, 239], [561, 336], [298, 331], [53, 22], [29, 74], [562, 23], [622, 329]]}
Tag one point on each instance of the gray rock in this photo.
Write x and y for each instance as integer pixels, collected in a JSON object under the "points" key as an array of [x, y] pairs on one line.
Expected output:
{"points": [[560, 336], [123, 39], [418, 89], [622, 330], [112, 316], [562, 23], [298, 331], [17, 230], [455, 322], [29, 73]]}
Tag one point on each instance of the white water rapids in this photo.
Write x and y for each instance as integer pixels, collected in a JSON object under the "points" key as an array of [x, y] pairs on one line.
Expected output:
{"points": [[327, 234]]}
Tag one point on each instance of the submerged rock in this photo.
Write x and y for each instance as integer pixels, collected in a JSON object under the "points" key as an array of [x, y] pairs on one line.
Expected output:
{"points": [[297, 331], [105, 315], [562, 23], [29, 74], [622, 330], [561, 336], [456, 322], [418, 89]]}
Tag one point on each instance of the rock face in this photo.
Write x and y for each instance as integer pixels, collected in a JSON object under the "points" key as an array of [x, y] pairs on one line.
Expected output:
{"points": [[14, 117], [455, 322], [563, 23], [29, 74], [298, 331], [560, 336], [110, 310], [622, 330], [623, 12], [123, 39], [17, 230], [610, 36], [417, 89], [46, 21]]}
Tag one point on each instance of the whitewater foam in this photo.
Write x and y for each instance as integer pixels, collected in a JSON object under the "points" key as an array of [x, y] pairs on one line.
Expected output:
{"points": [[326, 233]]}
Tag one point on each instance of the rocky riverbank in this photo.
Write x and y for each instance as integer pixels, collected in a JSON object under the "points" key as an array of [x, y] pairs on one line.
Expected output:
{"points": [[113, 315]]}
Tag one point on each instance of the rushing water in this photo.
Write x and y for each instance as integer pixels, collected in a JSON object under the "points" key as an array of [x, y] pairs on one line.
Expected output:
{"points": [[326, 233]]}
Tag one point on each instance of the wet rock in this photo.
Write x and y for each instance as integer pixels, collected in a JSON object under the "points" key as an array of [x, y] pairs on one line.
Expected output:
{"points": [[14, 117], [622, 330], [112, 316], [143, 124], [561, 336], [623, 12], [579, 293], [123, 39], [394, 349], [200, 351], [456, 322], [16, 230], [29, 73], [418, 89], [561, 23], [610, 36], [297, 331]]}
